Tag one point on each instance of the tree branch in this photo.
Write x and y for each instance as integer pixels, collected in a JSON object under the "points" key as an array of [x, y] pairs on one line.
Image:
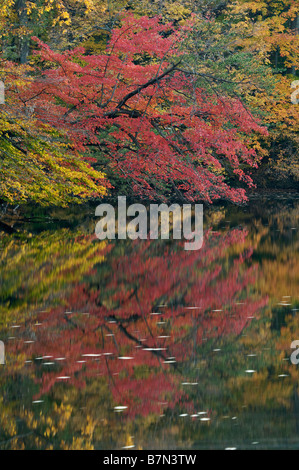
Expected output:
{"points": [[140, 88]]}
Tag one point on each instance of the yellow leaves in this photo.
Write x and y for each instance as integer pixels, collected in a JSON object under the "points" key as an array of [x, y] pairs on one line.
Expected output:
{"points": [[51, 429], [7, 425], [16, 445], [254, 7], [65, 16], [177, 12], [64, 413], [6, 9], [36, 162], [271, 27], [78, 444], [64, 19], [30, 7], [129, 441], [280, 277], [89, 4], [257, 146], [31, 422], [89, 427], [263, 9], [41, 266], [267, 393]]}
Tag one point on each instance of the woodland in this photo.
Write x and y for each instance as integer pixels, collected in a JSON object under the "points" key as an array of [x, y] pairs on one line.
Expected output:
{"points": [[140, 343], [156, 99]]}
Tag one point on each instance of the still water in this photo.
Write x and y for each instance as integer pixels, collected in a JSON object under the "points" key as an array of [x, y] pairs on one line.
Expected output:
{"points": [[143, 345]]}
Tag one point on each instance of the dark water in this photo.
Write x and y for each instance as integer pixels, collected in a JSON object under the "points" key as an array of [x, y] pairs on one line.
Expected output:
{"points": [[119, 344]]}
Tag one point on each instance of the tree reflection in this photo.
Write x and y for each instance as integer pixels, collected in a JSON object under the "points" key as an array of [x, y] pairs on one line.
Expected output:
{"points": [[127, 337]]}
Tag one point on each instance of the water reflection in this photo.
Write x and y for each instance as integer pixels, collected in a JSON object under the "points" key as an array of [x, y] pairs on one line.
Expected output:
{"points": [[144, 345]]}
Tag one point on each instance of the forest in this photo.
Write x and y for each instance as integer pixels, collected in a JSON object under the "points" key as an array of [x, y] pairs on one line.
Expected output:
{"points": [[157, 99], [139, 343]]}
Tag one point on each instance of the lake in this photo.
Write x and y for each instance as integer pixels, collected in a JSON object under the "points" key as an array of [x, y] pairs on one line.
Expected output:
{"points": [[143, 345]]}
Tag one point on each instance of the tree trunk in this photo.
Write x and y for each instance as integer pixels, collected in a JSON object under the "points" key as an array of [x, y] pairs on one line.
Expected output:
{"points": [[295, 26], [23, 21]]}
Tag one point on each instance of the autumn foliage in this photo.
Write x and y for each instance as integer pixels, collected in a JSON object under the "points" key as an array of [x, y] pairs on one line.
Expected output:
{"points": [[164, 105], [136, 105], [37, 161]]}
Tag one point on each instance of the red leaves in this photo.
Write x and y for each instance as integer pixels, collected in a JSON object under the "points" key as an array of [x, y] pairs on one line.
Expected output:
{"points": [[144, 114]]}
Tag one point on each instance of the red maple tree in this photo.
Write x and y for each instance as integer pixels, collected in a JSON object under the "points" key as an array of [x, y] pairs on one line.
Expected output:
{"points": [[137, 105]]}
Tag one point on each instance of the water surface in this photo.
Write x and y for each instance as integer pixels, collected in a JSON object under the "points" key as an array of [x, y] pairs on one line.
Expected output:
{"points": [[143, 345]]}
